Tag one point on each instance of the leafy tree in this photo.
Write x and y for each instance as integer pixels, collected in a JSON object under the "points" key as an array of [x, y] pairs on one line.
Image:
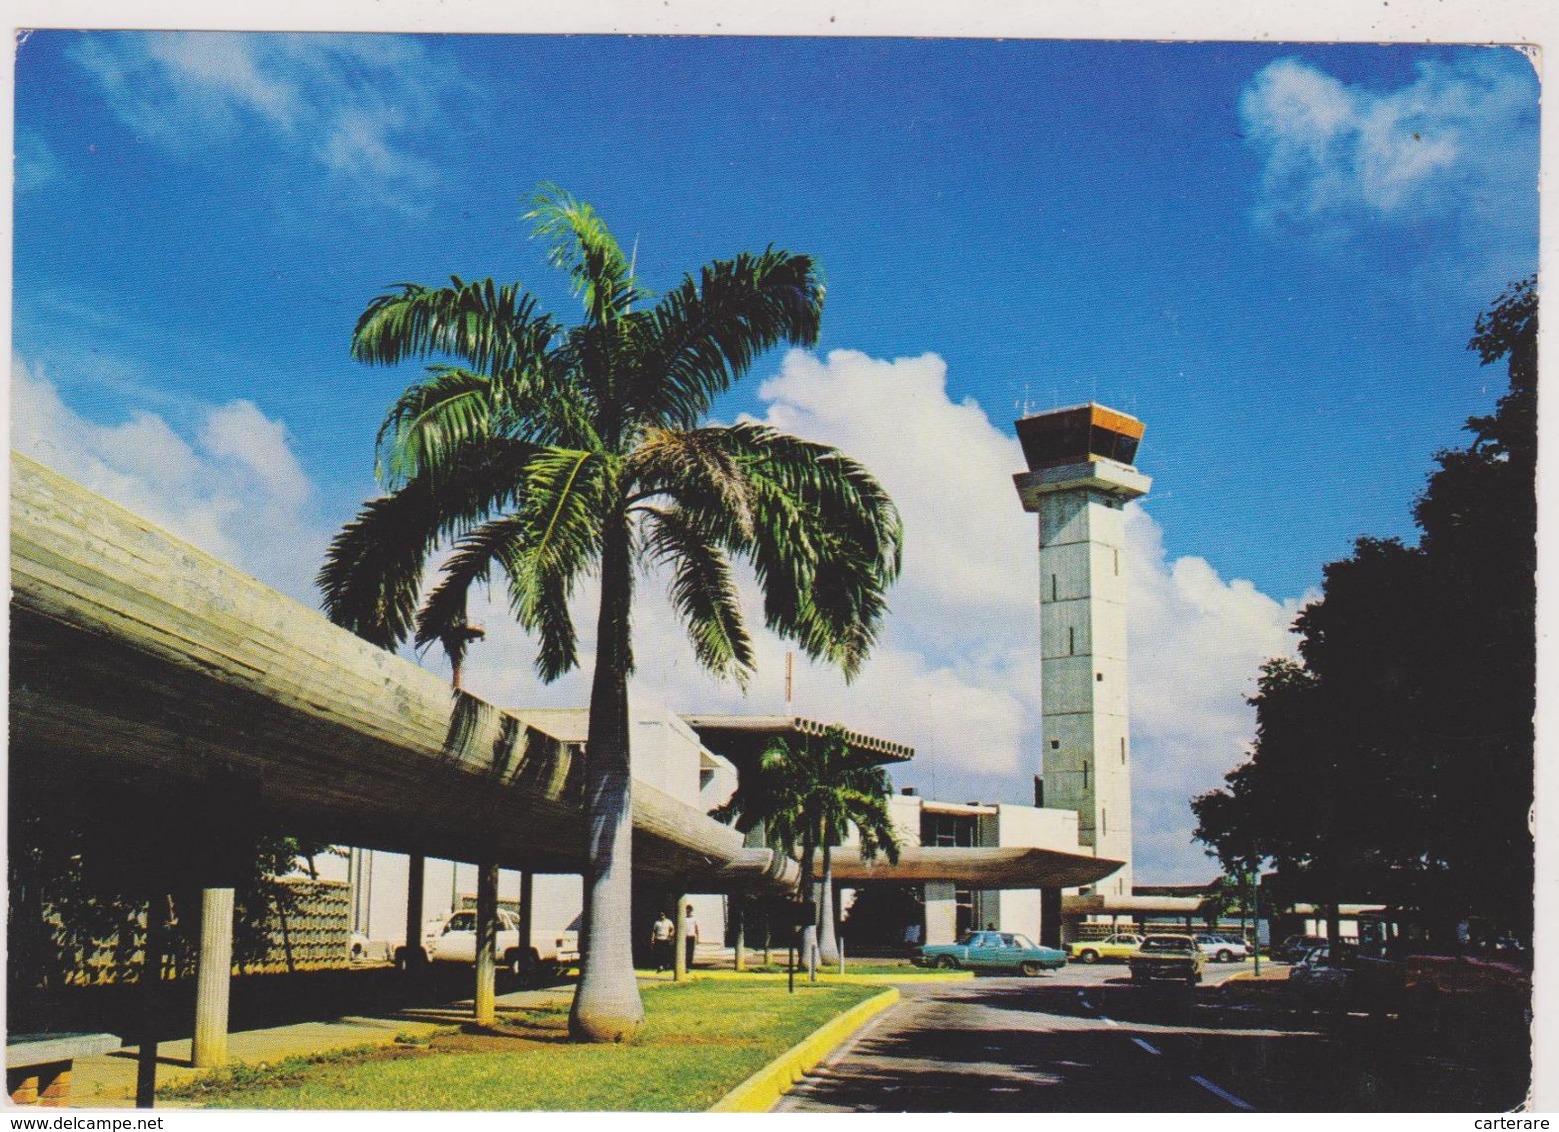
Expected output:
{"points": [[1396, 762], [809, 794], [547, 453]]}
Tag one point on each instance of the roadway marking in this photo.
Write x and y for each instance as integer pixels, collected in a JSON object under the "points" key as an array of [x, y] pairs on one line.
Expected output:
{"points": [[1223, 1095], [1146, 1045]]}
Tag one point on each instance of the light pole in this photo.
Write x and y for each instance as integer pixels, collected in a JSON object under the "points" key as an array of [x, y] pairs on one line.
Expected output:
{"points": [[1255, 888]]}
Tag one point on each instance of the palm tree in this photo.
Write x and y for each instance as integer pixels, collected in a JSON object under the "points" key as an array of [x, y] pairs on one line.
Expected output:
{"points": [[808, 795], [547, 452]]}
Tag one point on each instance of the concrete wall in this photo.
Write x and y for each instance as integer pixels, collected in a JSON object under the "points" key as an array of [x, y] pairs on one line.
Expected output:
{"points": [[941, 914], [668, 756], [1086, 756]]}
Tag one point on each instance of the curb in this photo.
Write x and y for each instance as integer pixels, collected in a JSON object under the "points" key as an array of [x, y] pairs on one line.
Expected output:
{"points": [[909, 977], [759, 1092]]}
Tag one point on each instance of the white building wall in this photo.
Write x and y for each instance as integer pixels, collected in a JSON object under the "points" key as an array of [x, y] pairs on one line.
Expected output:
{"points": [[941, 912]]}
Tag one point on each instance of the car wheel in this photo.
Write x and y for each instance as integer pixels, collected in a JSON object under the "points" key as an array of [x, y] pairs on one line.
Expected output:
{"points": [[1225, 956], [1089, 956], [946, 962], [1030, 969]]}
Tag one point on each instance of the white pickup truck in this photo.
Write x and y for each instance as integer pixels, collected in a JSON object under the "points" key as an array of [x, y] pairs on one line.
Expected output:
{"points": [[452, 939]]}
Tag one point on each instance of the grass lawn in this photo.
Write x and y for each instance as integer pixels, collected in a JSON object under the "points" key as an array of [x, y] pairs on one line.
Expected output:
{"points": [[701, 1041], [851, 967]]}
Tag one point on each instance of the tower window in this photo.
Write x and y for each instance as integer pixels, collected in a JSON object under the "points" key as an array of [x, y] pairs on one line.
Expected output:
{"points": [[1071, 641], [1085, 774], [1104, 823], [1123, 750], [1055, 744], [1099, 677], [1052, 587], [1117, 563]]}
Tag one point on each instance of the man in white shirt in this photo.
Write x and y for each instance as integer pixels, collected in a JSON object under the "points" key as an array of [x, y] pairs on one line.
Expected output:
{"points": [[661, 941]]}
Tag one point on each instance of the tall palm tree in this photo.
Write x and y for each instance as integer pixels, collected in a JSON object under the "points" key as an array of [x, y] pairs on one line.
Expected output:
{"points": [[808, 795], [547, 452]]}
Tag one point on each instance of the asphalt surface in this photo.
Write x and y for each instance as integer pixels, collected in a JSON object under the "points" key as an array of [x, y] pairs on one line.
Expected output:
{"points": [[1080, 1040]]}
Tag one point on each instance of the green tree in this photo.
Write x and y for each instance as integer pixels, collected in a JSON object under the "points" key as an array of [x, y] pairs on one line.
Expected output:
{"points": [[1395, 763], [547, 452], [809, 794]]}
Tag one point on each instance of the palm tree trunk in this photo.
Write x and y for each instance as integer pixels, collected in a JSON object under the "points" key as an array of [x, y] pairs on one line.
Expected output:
{"points": [[607, 1007], [828, 938]]}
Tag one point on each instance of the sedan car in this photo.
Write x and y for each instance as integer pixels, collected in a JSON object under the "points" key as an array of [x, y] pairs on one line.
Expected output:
{"points": [[993, 951], [1296, 947], [1322, 976], [1222, 949], [1117, 946], [1167, 957]]}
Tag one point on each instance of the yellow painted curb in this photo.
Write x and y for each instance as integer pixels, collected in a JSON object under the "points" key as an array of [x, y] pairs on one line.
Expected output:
{"points": [[759, 1092], [875, 978]]}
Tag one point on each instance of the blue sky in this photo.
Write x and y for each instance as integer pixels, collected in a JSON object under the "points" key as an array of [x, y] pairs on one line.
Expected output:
{"points": [[1271, 254]]}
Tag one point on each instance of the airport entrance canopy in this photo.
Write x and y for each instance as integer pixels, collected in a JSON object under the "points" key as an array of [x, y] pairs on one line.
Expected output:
{"points": [[743, 738], [147, 667], [986, 868]]}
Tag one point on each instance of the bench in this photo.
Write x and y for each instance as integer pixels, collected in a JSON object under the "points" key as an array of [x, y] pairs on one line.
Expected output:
{"points": [[37, 1066]]}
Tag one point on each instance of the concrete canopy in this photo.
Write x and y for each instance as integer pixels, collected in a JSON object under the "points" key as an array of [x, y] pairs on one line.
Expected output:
{"points": [[1013, 867], [141, 662], [742, 738]]}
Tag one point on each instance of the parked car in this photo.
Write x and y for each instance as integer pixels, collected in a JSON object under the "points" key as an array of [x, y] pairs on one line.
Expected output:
{"points": [[452, 939], [1117, 946], [993, 951], [1167, 957], [1324, 974], [1296, 947], [1222, 948]]}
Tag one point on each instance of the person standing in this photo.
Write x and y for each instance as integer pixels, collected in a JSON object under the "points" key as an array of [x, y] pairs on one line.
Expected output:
{"points": [[690, 929], [661, 934]]}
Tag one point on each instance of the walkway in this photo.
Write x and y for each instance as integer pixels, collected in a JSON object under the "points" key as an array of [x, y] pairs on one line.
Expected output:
{"points": [[108, 1080]]}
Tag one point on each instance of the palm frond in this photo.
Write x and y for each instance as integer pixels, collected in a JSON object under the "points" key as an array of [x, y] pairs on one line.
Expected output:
{"points": [[561, 522], [704, 592], [706, 333], [584, 246], [430, 420], [824, 538], [494, 329], [443, 613], [372, 572], [689, 464]]}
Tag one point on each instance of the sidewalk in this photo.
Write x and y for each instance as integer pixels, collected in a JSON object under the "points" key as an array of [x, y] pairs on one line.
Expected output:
{"points": [[108, 1080]]}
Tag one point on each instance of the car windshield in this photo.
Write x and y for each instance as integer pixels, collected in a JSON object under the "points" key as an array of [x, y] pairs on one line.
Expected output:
{"points": [[1165, 943]]}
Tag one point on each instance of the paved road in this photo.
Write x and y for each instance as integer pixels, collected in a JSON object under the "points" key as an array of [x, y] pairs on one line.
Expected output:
{"points": [[1083, 1039]]}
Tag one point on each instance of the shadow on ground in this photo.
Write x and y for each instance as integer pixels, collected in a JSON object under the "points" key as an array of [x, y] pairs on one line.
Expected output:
{"points": [[258, 1001]]}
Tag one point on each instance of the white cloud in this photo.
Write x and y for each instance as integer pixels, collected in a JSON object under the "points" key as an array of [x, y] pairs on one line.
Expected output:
{"points": [[235, 490], [36, 164], [356, 105], [957, 673], [1457, 146]]}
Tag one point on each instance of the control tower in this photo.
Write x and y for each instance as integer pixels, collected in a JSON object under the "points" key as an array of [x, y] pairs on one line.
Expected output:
{"points": [[1079, 479]]}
